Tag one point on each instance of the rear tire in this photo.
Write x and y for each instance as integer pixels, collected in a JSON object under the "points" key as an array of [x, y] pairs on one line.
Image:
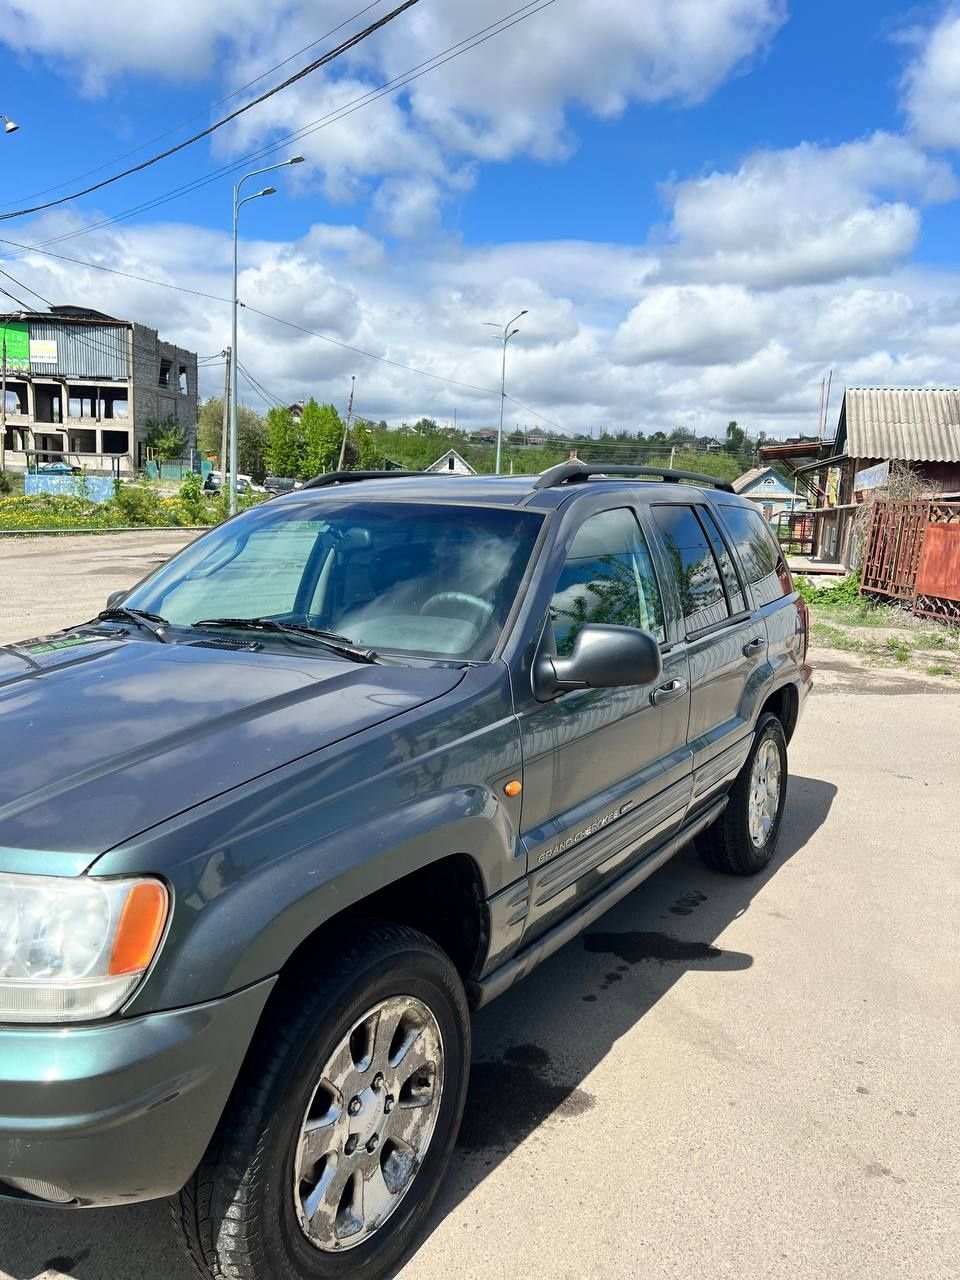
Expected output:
{"points": [[744, 838], [324, 1130]]}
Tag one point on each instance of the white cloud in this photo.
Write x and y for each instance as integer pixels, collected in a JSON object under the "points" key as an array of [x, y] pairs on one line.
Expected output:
{"points": [[691, 324], [931, 83], [606, 343], [806, 214], [100, 42], [509, 96]]}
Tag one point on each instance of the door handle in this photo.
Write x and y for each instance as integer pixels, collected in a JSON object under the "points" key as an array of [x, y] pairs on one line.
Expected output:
{"points": [[755, 646], [669, 692]]}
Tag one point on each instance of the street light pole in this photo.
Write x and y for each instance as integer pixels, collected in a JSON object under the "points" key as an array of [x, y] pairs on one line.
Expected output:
{"points": [[237, 205], [508, 333]]}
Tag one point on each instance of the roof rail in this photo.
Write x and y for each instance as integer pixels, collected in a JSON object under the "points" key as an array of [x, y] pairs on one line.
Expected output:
{"points": [[575, 472], [352, 477]]}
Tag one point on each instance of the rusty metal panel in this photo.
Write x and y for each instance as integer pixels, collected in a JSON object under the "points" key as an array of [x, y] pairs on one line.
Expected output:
{"points": [[939, 573], [893, 548]]}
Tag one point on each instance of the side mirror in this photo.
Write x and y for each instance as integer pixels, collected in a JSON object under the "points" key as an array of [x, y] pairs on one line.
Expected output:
{"points": [[115, 598], [603, 657]]}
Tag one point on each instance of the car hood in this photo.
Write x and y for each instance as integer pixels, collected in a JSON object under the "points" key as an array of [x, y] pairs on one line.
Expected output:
{"points": [[103, 737]]}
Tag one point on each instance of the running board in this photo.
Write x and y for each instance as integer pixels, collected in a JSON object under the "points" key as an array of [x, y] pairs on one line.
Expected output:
{"points": [[486, 989]]}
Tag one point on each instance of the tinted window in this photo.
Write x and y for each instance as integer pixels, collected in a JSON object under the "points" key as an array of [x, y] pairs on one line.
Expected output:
{"points": [[608, 577], [694, 567], [437, 581], [735, 596], [758, 552]]}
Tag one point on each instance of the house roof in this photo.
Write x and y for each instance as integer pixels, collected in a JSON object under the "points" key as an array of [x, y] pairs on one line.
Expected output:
{"points": [[906, 424], [441, 463], [750, 478]]}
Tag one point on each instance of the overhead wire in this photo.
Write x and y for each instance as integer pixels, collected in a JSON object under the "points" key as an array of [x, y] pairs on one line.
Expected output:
{"points": [[322, 122], [338, 51], [78, 177]]}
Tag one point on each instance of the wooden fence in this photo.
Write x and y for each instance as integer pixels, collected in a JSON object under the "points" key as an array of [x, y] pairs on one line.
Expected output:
{"points": [[912, 554]]}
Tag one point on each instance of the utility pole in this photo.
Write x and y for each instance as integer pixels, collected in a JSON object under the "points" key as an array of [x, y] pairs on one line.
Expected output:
{"points": [[673, 454], [225, 429], [346, 425]]}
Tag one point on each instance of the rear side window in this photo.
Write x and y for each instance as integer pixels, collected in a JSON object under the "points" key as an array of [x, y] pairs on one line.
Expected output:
{"points": [[608, 577], [759, 553], [694, 567], [730, 580]]}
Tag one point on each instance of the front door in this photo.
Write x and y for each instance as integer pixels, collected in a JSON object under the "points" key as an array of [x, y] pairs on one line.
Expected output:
{"points": [[606, 771]]}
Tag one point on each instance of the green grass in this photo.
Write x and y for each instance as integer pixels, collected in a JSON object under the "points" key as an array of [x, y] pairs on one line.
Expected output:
{"points": [[899, 647], [828, 637], [940, 669]]}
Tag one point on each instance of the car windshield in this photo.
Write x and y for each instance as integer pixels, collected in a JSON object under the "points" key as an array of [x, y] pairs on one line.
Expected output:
{"points": [[409, 578]]}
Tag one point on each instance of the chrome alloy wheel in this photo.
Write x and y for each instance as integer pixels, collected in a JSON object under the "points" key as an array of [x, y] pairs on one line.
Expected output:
{"points": [[369, 1124], [764, 793]]}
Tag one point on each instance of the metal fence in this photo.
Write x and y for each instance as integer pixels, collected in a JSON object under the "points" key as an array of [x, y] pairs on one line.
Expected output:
{"points": [[912, 554]]}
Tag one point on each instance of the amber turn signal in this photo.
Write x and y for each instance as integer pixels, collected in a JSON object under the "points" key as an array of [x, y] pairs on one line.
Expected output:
{"points": [[141, 924], [513, 788]]}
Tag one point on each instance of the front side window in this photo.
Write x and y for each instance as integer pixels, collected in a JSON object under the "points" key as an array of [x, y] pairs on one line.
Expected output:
{"points": [[426, 580], [608, 577], [758, 552], [695, 570]]}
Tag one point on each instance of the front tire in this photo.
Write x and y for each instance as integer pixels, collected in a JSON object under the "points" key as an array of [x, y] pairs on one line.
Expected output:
{"points": [[744, 838], [340, 1129]]}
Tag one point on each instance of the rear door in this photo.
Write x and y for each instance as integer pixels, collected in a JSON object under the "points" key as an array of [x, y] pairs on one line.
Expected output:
{"points": [[724, 641], [606, 771], [767, 579]]}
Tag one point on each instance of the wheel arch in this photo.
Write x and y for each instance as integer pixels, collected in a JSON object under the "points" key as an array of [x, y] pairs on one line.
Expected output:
{"points": [[784, 703]]}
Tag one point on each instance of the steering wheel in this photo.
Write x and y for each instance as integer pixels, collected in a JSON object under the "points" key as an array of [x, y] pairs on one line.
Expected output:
{"points": [[461, 605]]}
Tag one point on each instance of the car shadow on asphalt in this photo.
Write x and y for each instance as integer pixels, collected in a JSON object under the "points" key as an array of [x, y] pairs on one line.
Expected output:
{"points": [[535, 1046], [532, 1050]]}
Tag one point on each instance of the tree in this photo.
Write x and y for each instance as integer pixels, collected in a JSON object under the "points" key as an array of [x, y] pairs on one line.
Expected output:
{"points": [[322, 432], [167, 440], [368, 456], [735, 438], [251, 435], [426, 427], [284, 450]]}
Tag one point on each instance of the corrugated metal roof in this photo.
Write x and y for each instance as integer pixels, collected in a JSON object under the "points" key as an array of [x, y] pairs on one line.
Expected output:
{"points": [[906, 424], [86, 351]]}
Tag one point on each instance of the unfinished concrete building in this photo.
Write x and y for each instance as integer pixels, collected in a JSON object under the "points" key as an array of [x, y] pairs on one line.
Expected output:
{"points": [[83, 388]]}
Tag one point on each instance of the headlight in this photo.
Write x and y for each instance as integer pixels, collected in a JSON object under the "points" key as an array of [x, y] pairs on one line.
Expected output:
{"points": [[74, 949]]}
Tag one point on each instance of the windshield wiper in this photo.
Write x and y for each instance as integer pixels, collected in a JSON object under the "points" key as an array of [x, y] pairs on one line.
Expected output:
{"points": [[328, 639], [151, 622]]}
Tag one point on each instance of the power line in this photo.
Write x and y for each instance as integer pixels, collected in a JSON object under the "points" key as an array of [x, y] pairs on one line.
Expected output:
{"points": [[78, 177], [274, 401], [344, 47], [323, 337], [322, 122], [21, 285]]}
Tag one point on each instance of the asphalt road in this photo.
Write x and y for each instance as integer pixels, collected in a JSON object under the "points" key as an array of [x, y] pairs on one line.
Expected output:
{"points": [[750, 1079]]}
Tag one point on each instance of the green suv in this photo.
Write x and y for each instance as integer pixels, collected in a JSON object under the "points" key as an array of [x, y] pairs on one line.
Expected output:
{"points": [[344, 769]]}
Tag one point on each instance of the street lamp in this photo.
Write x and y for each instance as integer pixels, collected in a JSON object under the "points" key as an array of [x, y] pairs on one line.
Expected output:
{"points": [[508, 332], [9, 126], [237, 204]]}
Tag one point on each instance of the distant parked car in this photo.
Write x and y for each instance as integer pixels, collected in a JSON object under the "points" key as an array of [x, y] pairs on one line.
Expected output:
{"points": [[245, 484], [281, 484]]}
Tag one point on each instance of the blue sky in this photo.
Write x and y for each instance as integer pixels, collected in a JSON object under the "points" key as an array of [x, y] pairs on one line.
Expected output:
{"points": [[704, 207]]}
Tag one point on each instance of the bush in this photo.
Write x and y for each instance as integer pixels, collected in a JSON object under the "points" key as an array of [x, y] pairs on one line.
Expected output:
{"points": [[5, 485], [192, 500], [135, 506]]}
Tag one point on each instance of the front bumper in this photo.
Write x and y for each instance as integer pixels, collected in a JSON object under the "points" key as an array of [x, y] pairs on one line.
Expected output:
{"points": [[119, 1111]]}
